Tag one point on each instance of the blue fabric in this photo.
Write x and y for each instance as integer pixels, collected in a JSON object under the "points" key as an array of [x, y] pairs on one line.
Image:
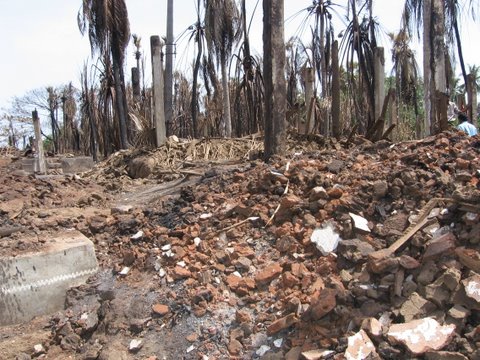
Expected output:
{"points": [[468, 128]]}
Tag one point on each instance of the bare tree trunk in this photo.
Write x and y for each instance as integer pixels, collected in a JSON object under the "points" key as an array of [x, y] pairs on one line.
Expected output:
{"points": [[309, 78], [169, 49], [274, 77], [428, 81], [136, 85], [158, 90], [472, 97], [336, 124], [196, 68], [226, 129], [440, 77]]}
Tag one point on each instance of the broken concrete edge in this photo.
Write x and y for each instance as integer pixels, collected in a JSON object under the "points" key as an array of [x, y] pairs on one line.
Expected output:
{"points": [[35, 283]]}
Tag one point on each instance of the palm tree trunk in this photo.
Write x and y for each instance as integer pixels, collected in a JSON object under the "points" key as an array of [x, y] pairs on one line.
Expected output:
{"points": [[226, 124], [274, 77], [459, 50], [336, 125], [120, 104], [196, 68]]}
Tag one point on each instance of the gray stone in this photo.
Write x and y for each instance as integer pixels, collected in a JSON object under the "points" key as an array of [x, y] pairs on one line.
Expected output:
{"points": [[77, 164], [416, 307], [380, 189]]}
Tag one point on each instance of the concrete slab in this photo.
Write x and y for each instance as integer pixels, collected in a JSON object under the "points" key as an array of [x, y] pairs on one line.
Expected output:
{"points": [[77, 164], [33, 284]]}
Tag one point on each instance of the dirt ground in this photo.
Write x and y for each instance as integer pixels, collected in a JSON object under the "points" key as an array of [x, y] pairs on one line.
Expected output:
{"points": [[207, 252]]}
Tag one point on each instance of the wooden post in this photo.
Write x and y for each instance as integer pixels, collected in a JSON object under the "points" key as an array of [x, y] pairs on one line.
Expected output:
{"points": [[336, 122], [158, 90], [38, 143]]}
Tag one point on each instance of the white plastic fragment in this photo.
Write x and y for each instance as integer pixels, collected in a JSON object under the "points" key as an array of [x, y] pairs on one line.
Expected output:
{"points": [[137, 236], [206, 216], [359, 222], [190, 349], [278, 343], [197, 241], [166, 247], [124, 271], [325, 239]]}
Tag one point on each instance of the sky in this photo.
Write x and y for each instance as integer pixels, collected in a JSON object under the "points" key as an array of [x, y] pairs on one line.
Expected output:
{"points": [[42, 46]]}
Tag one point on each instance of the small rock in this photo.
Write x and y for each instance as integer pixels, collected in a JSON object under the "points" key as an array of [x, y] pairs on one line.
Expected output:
{"points": [[263, 350], [359, 347], [469, 258], [242, 316], [281, 324], [121, 209], [38, 349], [335, 166], [160, 309], [472, 287], [135, 345], [335, 192], [380, 189], [23, 356], [321, 304], [234, 347], [318, 193], [444, 355], [416, 307], [317, 354], [243, 264], [192, 337], [373, 327], [422, 335], [180, 273], [294, 353], [266, 275], [439, 246]]}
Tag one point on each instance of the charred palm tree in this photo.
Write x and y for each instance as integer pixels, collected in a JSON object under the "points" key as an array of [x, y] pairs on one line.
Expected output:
{"points": [[358, 44], [222, 25], [109, 31], [406, 73]]}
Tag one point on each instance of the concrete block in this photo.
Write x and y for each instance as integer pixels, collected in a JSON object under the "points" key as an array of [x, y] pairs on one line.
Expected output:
{"points": [[35, 283], [76, 164], [30, 165]]}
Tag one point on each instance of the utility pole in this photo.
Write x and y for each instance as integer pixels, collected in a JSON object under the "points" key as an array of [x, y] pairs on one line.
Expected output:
{"points": [[170, 50]]}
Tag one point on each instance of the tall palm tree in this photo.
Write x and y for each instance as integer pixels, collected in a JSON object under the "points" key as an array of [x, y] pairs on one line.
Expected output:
{"points": [[109, 32], [222, 29], [414, 16], [198, 35]]}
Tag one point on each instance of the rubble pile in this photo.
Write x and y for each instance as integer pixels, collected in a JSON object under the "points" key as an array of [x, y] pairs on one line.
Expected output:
{"points": [[365, 252]]}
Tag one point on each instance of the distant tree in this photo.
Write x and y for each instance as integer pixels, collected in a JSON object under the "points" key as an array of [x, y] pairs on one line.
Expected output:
{"points": [[222, 29], [107, 24], [47, 100]]}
